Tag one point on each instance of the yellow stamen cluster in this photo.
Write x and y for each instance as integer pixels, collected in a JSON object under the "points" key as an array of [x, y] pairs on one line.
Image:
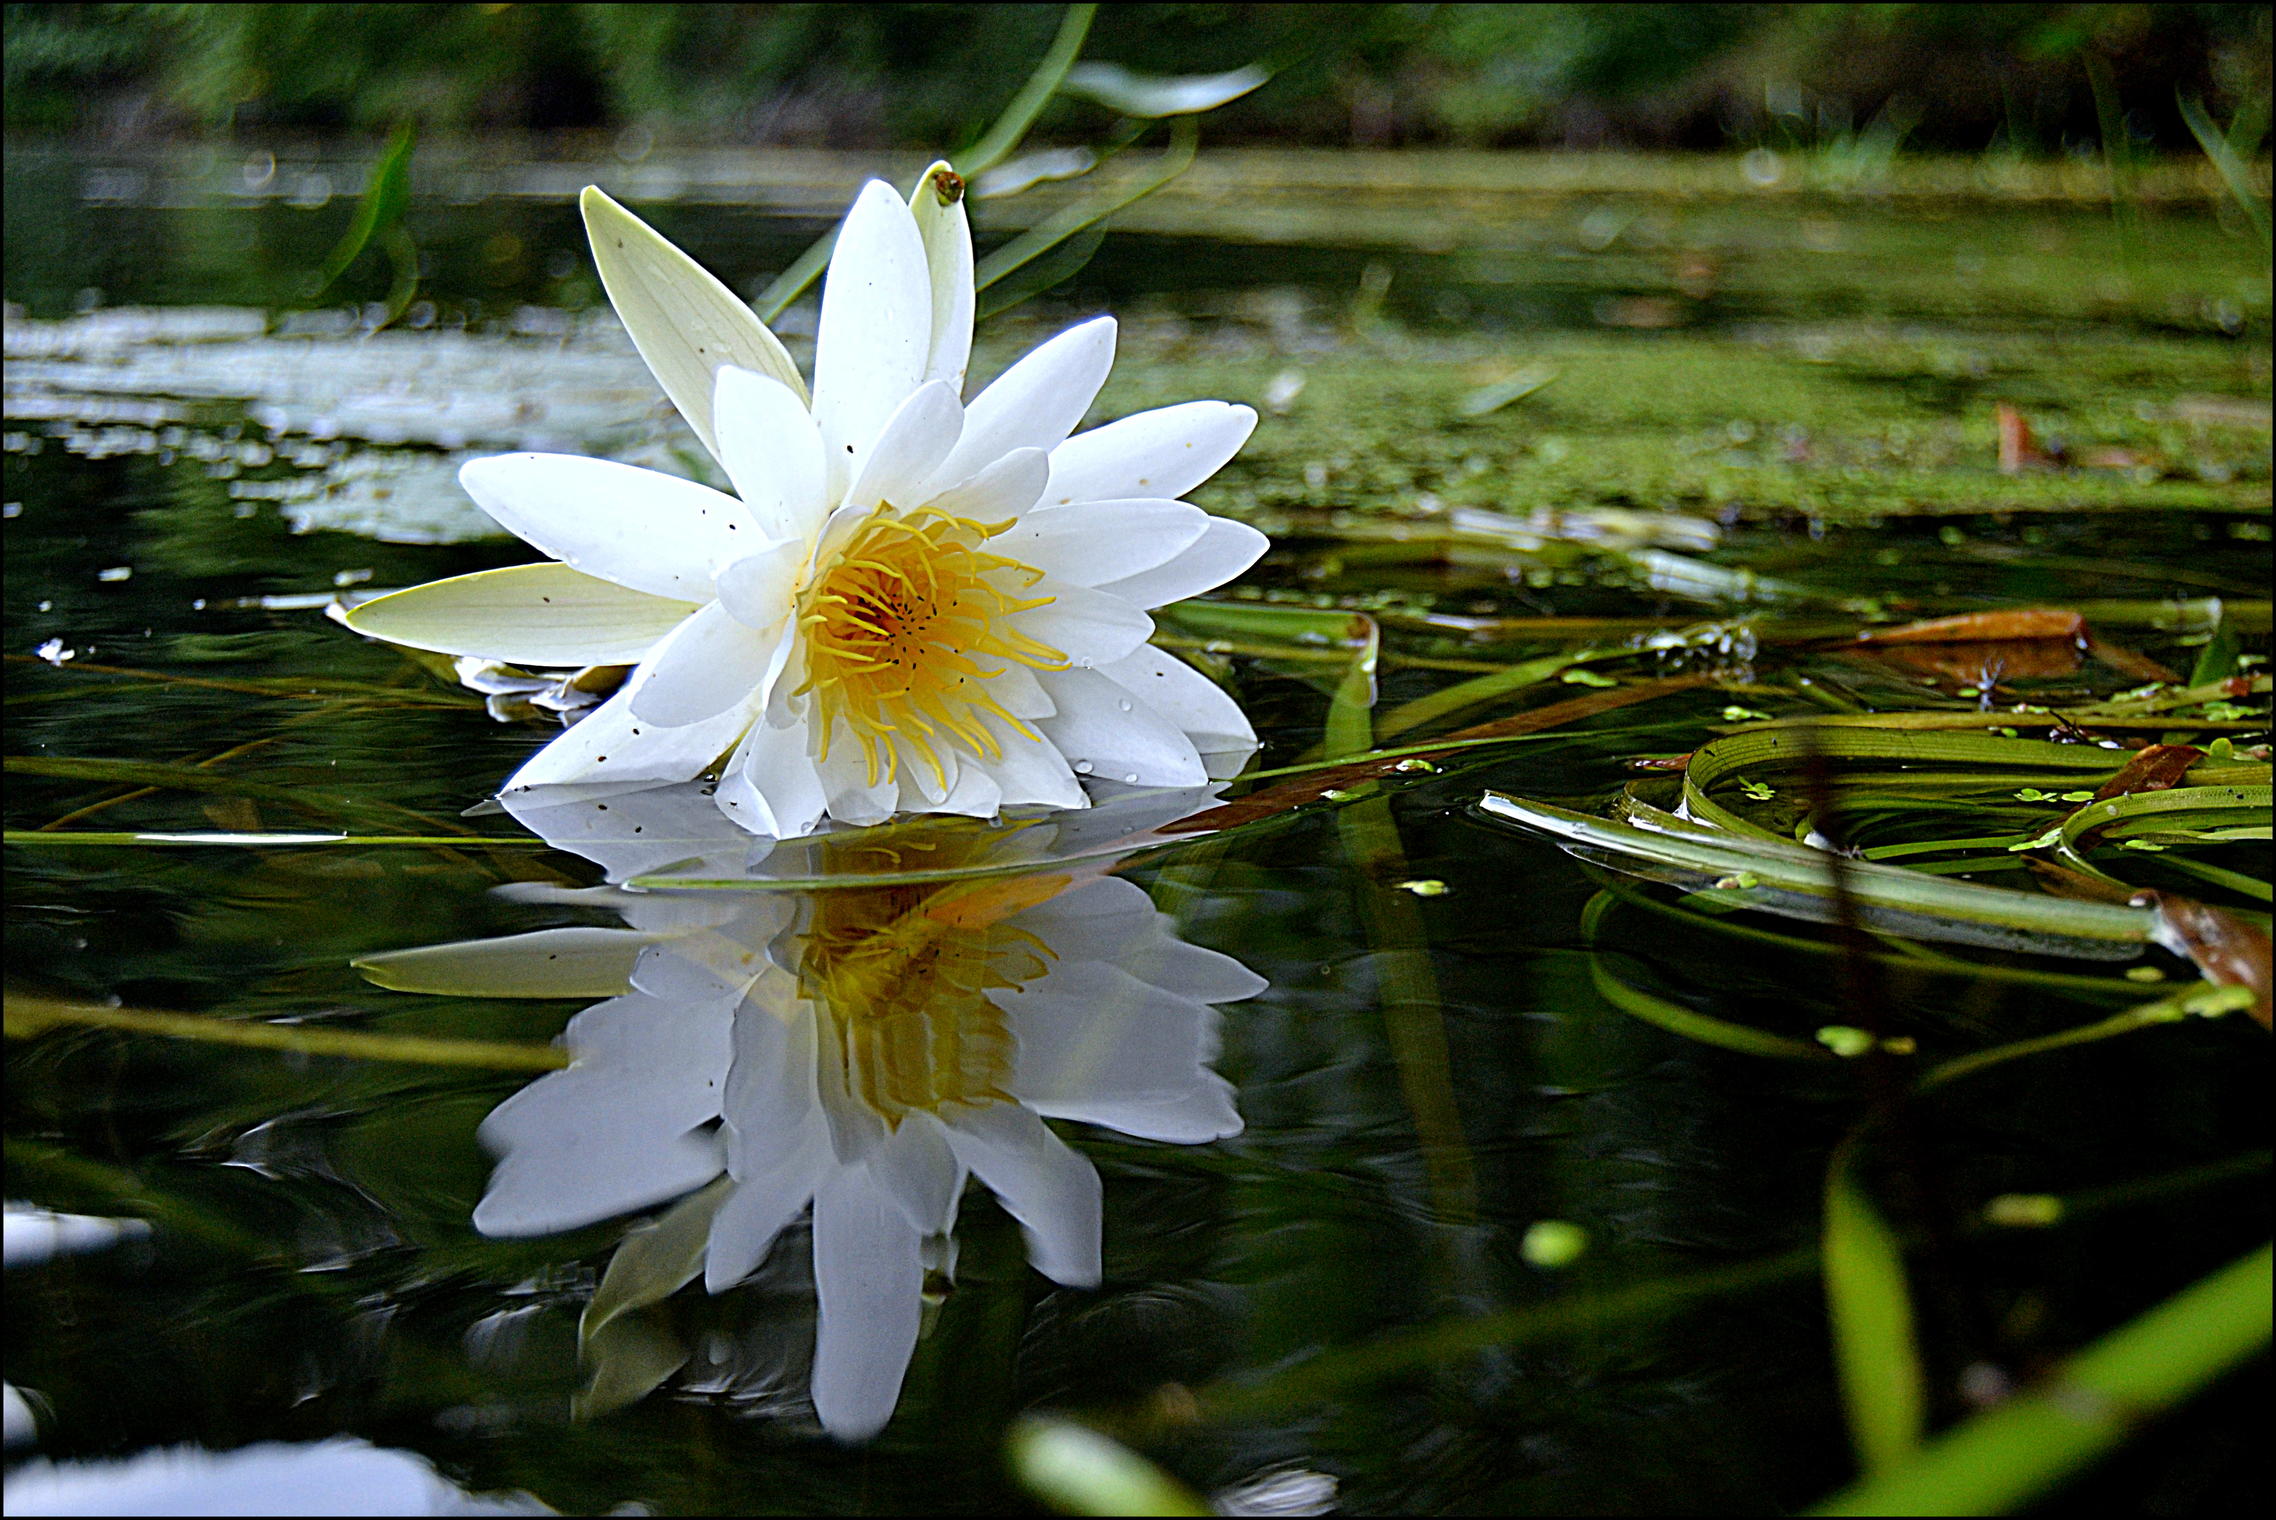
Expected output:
{"points": [[903, 975], [895, 627]]}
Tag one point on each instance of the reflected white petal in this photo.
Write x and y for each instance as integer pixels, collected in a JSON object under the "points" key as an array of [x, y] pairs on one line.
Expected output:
{"points": [[869, 1275], [1053, 1192]]}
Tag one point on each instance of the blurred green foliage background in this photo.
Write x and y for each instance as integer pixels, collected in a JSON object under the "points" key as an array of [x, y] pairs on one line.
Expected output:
{"points": [[1957, 78]]}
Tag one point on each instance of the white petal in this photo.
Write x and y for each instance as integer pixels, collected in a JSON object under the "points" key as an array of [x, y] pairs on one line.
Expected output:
{"points": [[853, 797], [771, 786], [1004, 489], [1197, 705], [946, 232], [685, 323], [654, 533], [976, 794], [1104, 732], [1222, 552], [1094, 542], [876, 328], [777, 1150], [1088, 627], [1016, 691], [1032, 771], [1037, 402], [745, 1228], [545, 614], [1053, 1192], [921, 432], [1089, 1029], [711, 664], [760, 589], [869, 1275], [1159, 453], [611, 745], [773, 453]]}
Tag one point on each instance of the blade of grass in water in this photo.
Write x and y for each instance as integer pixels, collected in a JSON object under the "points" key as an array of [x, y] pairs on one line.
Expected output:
{"points": [[1869, 1308], [28, 1016], [2006, 1456]]}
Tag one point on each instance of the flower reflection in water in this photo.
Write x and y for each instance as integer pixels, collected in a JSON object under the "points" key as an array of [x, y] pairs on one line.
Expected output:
{"points": [[863, 1048]]}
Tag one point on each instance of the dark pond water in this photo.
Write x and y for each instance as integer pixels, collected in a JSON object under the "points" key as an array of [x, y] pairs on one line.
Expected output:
{"points": [[1549, 427]]}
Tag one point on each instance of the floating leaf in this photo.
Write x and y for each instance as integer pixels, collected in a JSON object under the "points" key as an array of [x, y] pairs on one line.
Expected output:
{"points": [[2008, 626]]}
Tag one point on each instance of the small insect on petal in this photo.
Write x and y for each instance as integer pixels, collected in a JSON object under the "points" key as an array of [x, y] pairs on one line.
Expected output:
{"points": [[948, 185]]}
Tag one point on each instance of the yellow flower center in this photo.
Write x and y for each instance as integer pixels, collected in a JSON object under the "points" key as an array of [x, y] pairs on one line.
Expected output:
{"points": [[895, 627], [902, 976]]}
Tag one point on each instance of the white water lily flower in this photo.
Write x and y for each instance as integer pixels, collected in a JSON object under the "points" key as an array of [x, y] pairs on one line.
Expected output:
{"points": [[909, 604], [863, 1051]]}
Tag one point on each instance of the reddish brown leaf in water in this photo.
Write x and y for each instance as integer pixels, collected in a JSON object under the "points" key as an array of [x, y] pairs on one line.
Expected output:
{"points": [[2138, 667], [1298, 790], [1985, 663], [2230, 951], [2155, 769], [2018, 449], [2004, 626]]}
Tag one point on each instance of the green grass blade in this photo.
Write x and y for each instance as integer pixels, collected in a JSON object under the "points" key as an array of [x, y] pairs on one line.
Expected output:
{"points": [[28, 1016], [1870, 1309], [2004, 1457]]}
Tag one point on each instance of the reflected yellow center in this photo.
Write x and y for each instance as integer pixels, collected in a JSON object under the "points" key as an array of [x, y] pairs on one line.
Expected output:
{"points": [[896, 627], [903, 974]]}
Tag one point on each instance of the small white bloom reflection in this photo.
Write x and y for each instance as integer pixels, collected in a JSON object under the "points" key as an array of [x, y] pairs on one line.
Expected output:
{"points": [[863, 1049]]}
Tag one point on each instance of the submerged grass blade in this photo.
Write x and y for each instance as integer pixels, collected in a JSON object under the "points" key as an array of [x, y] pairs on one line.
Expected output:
{"points": [[2006, 1456], [1674, 1017], [28, 1016], [1869, 1307]]}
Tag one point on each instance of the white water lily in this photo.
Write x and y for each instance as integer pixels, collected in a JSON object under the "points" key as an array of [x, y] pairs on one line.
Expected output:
{"points": [[863, 1051], [909, 603]]}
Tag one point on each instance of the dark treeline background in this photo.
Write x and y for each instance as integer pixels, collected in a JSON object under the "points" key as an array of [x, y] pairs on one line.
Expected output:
{"points": [[2029, 79]]}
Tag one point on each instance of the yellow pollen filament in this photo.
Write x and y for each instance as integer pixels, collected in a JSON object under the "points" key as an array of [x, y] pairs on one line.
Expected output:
{"points": [[892, 627]]}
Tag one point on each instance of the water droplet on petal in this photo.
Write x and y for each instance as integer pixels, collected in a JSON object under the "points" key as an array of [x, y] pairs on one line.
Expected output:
{"points": [[1132, 778], [1082, 767], [1124, 704]]}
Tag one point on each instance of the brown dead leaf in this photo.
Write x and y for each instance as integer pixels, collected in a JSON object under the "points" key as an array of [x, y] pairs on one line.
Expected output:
{"points": [[2230, 951], [2008, 625], [2155, 769]]}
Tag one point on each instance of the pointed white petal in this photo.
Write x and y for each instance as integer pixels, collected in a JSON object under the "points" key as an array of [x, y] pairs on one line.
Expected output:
{"points": [[876, 328], [685, 323], [1103, 731], [869, 1275], [1004, 489], [654, 533], [544, 614], [777, 1148], [920, 433], [1159, 453], [1197, 705], [711, 664], [1037, 402], [773, 452], [1225, 550], [1032, 771], [976, 794], [759, 589], [1094, 542], [612, 745], [1053, 1192], [770, 786], [1088, 627], [946, 232], [853, 797], [747, 1223]]}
